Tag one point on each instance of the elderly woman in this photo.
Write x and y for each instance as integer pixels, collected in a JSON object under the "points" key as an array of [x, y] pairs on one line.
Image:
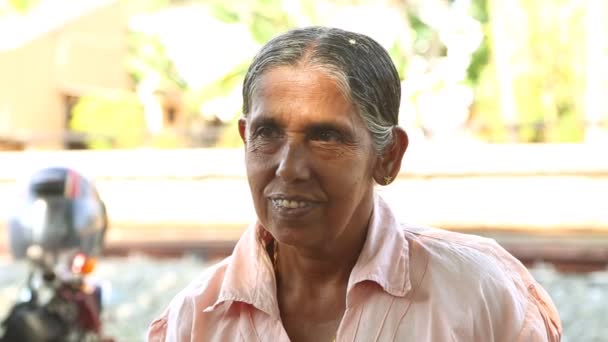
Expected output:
{"points": [[326, 259]]}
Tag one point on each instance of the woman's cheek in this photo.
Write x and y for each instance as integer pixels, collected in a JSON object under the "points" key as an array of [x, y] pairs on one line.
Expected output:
{"points": [[332, 151], [263, 146]]}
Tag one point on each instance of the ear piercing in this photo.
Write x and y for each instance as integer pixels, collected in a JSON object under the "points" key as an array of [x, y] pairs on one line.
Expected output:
{"points": [[387, 180]]}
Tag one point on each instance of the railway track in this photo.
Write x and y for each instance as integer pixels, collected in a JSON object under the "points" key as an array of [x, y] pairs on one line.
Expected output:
{"points": [[567, 253]]}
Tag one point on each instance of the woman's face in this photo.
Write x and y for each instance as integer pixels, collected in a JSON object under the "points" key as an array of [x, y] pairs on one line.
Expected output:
{"points": [[309, 158]]}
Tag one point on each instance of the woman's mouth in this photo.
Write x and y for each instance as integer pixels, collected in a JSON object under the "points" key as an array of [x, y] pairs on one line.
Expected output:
{"points": [[289, 204], [289, 209]]}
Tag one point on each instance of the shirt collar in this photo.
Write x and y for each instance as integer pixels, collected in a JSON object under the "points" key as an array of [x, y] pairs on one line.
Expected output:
{"points": [[249, 276], [384, 259]]}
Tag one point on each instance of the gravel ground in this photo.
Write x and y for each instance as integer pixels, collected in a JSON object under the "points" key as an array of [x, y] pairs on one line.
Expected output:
{"points": [[137, 288]]}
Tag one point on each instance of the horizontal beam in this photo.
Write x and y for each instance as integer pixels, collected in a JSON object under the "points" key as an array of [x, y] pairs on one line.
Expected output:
{"points": [[421, 160]]}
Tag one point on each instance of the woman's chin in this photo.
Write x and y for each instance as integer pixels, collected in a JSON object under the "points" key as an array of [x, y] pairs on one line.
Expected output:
{"points": [[296, 235]]}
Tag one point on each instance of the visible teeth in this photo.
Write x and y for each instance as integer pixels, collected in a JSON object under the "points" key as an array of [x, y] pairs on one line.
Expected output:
{"points": [[289, 204]]}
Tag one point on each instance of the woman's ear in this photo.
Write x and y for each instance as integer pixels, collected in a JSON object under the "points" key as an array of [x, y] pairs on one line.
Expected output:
{"points": [[389, 163], [243, 130]]}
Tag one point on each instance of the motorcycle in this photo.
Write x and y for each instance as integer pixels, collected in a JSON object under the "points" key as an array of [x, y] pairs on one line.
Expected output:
{"points": [[60, 305]]}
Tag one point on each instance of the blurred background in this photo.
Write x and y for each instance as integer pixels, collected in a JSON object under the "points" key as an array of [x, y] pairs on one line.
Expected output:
{"points": [[505, 102]]}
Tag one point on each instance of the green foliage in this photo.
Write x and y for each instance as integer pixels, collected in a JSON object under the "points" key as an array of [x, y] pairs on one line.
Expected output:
{"points": [[546, 67], [481, 57], [569, 129], [399, 57], [219, 88], [479, 10], [268, 19], [225, 14], [426, 36], [479, 61], [486, 115], [547, 75], [22, 6], [112, 120], [549, 91], [147, 56], [265, 18]]}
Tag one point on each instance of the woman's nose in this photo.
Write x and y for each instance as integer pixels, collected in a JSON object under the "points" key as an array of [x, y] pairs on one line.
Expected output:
{"points": [[293, 163]]}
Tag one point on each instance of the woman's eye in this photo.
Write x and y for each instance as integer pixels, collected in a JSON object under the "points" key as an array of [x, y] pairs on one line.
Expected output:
{"points": [[327, 135], [266, 132]]}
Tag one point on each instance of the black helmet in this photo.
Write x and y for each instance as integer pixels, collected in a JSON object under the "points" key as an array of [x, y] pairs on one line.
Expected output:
{"points": [[60, 210]]}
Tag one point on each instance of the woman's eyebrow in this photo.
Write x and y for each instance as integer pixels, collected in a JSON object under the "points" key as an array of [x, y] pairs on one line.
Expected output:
{"points": [[264, 121], [318, 126]]}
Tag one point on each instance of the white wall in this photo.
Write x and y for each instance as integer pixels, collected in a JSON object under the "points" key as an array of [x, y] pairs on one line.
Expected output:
{"points": [[486, 186]]}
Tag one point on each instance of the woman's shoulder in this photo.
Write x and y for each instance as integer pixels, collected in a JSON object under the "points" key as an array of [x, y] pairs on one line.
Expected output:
{"points": [[200, 294], [484, 275], [477, 261], [464, 249], [206, 287]]}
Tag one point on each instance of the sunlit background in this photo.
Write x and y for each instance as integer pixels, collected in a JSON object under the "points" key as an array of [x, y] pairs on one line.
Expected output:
{"points": [[505, 103]]}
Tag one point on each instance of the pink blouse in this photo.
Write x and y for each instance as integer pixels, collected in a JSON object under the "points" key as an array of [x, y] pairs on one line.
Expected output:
{"points": [[409, 284]]}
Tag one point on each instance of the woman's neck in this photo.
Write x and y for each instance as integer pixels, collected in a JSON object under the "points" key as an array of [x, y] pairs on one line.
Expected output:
{"points": [[299, 268]]}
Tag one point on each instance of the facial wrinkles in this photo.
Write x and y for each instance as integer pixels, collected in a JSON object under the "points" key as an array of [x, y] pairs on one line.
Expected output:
{"points": [[314, 144], [295, 105], [298, 100], [347, 144]]}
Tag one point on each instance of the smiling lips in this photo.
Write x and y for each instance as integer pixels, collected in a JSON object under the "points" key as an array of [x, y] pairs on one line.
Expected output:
{"points": [[288, 209], [290, 204]]}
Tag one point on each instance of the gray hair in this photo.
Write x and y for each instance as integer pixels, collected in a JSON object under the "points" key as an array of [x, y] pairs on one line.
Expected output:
{"points": [[360, 66]]}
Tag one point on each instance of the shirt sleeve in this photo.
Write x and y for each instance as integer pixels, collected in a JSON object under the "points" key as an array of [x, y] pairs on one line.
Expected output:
{"points": [[157, 331], [541, 322], [175, 324]]}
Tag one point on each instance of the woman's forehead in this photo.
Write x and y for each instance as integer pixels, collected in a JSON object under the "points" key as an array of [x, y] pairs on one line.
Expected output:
{"points": [[288, 93], [302, 80]]}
